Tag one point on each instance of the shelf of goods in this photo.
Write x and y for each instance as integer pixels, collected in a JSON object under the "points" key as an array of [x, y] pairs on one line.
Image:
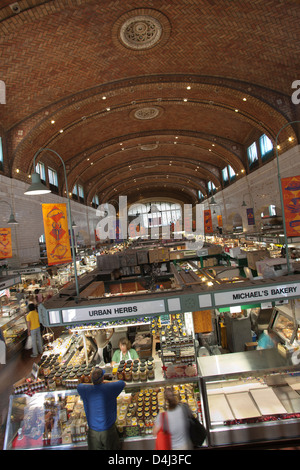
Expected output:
{"points": [[47, 412], [250, 397], [56, 418]]}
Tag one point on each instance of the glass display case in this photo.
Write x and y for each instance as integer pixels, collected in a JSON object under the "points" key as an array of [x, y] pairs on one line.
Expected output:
{"points": [[250, 397], [14, 329], [284, 325], [53, 419], [56, 419]]}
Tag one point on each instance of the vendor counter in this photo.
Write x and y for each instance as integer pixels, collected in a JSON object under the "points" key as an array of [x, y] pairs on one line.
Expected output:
{"points": [[241, 398], [250, 397]]}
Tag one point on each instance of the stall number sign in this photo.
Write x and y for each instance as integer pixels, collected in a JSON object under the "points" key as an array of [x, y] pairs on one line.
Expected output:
{"points": [[105, 312], [258, 294]]}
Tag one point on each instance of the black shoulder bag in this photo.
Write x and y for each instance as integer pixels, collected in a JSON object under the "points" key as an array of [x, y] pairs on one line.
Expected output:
{"points": [[196, 429]]}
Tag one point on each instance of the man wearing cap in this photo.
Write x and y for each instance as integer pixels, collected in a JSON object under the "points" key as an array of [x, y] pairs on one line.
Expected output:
{"points": [[100, 406]]}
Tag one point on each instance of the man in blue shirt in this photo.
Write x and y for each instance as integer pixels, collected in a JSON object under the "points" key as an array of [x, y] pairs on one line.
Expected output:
{"points": [[100, 406]]}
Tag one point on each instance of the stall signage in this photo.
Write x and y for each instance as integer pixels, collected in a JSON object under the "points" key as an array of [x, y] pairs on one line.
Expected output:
{"points": [[9, 282], [37, 269], [257, 294], [101, 312]]}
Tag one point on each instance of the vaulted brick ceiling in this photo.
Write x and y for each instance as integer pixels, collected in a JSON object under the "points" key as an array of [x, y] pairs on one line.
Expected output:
{"points": [[146, 99]]}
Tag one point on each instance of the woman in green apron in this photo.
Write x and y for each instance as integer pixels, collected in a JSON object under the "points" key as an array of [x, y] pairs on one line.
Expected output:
{"points": [[124, 353]]}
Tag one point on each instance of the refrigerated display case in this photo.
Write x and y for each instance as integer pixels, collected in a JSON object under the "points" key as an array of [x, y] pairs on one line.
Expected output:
{"points": [[56, 419], [14, 329], [49, 420], [249, 397], [285, 323]]}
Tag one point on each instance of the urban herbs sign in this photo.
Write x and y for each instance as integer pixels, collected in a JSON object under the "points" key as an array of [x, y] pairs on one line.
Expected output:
{"points": [[113, 311]]}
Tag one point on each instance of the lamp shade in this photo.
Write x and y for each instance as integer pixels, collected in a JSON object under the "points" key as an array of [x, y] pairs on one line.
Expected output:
{"points": [[213, 202], [37, 187], [12, 220], [244, 204]]}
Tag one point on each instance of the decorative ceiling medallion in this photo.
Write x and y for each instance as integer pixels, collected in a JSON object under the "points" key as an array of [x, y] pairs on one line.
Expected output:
{"points": [[146, 113], [141, 32], [149, 147], [141, 29]]}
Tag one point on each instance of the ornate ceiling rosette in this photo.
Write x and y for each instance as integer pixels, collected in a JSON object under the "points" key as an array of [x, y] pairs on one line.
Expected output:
{"points": [[142, 29]]}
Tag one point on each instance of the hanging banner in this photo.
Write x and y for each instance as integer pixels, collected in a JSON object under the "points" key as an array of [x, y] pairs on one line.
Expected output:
{"points": [[5, 243], [220, 221], [56, 233], [291, 201], [250, 216], [97, 239], [208, 228]]}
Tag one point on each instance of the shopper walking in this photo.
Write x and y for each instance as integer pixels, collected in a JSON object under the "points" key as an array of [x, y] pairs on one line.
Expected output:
{"points": [[177, 423], [34, 330], [100, 406]]}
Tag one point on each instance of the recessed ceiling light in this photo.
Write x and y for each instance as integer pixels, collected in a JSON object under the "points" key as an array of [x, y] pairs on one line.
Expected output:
{"points": [[244, 99], [188, 87], [236, 110], [61, 131], [184, 99], [107, 109], [104, 97], [52, 121]]}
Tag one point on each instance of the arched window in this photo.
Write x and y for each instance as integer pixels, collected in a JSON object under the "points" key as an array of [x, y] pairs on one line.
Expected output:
{"points": [[156, 213]]}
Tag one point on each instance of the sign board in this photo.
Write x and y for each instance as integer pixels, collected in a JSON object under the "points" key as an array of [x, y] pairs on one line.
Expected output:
{"points": [[36, 269], [257, 294], [109, 312], [5, 283], [261, 294]]}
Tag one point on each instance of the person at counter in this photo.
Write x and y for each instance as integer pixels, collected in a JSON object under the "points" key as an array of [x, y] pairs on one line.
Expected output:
{"points": [[34, 329], [100, 406], [125, 352]]}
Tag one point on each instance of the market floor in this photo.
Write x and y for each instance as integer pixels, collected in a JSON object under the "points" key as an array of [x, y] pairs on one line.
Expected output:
{"points": [[20, 366]]}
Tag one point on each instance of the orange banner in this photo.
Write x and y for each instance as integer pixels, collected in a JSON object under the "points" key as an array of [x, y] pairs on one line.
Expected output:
{"points": [[291, 201], [220, 221], [5, 243], [208, 228], [57, 233]]}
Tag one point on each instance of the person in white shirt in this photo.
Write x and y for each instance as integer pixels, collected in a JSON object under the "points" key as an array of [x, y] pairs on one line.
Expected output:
{"points": [[177, 422]]}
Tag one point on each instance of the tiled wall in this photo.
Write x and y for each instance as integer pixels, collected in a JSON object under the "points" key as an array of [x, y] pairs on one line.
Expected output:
{"points": [[28, 212]]}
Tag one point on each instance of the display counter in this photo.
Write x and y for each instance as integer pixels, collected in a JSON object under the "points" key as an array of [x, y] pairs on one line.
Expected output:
{"points": [[56, 419], [14, 329], [250, 397]]}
